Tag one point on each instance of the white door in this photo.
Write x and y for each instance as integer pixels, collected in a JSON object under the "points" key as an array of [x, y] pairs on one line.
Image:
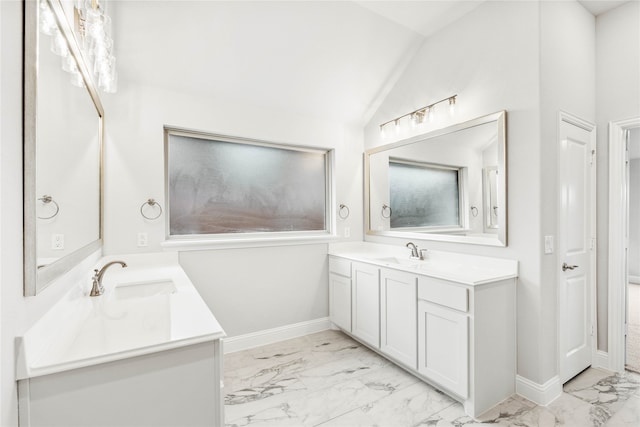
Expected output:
{"points": [[576, 244], [398, 321]]}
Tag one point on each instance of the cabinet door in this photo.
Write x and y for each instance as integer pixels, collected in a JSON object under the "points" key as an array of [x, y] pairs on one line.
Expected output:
{"points": [[398, 318], [340, 301], [443, 349], [365, 303]]}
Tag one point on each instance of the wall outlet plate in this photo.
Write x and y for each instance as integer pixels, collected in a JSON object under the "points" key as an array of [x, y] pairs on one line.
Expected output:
{"points": [[57, 242], [143, 239]]}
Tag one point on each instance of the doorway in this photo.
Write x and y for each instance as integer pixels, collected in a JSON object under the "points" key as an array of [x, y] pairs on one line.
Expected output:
{"points": [[624, 245], [575, 248], [632, 353]]}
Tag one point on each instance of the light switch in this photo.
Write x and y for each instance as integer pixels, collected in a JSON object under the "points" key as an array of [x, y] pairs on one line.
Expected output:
{"points": [[548, 244]]}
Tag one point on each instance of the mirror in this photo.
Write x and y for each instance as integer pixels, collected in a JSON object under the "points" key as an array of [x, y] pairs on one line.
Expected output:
{"points": [[448, 185], [62, 149]]}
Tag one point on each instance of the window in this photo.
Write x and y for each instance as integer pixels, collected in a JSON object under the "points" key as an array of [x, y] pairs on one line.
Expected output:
{"points": [[424, 195], [225, 186]]}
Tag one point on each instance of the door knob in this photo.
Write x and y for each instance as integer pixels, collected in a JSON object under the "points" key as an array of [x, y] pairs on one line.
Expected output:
{"points": [[566, 267]]}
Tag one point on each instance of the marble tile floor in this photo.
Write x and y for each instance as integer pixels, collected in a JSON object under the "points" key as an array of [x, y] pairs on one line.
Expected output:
{"points": [[328, 379]]}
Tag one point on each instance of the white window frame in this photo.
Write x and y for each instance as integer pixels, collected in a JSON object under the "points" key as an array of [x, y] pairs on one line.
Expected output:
{"points": [[253, 239]]}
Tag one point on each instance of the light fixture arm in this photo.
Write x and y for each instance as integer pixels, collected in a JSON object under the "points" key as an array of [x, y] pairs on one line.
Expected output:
{"points": [[420, 113]]}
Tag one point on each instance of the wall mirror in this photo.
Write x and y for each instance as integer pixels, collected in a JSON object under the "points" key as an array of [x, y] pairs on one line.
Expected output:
{"points": [[448, 185], [62, 149]]}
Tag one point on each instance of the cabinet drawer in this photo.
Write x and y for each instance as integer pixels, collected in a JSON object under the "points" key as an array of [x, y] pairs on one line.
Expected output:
{"points": [[443, 293], [340, 266]]}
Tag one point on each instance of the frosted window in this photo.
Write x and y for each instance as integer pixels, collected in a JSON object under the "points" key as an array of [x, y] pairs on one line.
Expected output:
{"points": [[423, 195], [219, 186]]}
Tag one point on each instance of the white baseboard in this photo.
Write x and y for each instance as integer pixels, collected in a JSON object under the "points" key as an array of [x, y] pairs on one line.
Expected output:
{"points": [[269, 336], [601, 360], [541, 394]]}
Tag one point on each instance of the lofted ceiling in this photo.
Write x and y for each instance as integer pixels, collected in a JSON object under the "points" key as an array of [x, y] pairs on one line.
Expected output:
{"points": [[326, 59]]}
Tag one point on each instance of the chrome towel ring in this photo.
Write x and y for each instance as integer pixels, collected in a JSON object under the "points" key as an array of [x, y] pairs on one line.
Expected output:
{"points": [[343, 212], [46, 200], [154, 205], [386, 208]]}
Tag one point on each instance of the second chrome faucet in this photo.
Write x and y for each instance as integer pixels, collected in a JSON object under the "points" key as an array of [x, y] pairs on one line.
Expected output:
{"points": [[97, 288]]}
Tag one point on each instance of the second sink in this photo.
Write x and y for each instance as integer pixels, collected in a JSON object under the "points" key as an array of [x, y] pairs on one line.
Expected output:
{"points": [[144, 289]]}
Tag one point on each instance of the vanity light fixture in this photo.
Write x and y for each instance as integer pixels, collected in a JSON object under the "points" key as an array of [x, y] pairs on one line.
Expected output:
{"points": [[93, 26], [418, 116]]}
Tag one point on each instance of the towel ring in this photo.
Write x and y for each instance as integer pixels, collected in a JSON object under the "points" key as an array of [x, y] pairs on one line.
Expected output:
{"points": [[46, 200], [384, 209], [343, 212], [152, 203], [474, 211]]}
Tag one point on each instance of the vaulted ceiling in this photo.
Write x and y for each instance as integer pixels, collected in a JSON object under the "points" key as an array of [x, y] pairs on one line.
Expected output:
{"points": [[330, 59]]}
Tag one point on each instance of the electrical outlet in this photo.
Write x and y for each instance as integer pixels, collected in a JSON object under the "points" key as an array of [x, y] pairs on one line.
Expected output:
{"points": [[57, 242], [143, 240], [347, 232]]}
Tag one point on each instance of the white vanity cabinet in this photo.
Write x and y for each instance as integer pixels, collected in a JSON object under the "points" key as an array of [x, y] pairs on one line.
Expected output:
{"points": [[443, 333], [398, 316], [340, 292], [450, 319], [365, 303]]}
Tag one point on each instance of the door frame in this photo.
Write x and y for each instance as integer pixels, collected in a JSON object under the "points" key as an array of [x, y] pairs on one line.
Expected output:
{"points": [[617, 258], [563, 116]]}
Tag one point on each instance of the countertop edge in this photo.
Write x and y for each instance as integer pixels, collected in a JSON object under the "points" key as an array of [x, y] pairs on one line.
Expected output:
{"points": [[34, 372], [448, 277]]}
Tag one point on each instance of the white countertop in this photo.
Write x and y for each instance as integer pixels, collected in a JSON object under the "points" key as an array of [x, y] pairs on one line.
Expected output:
{"points": [[470, 270], [82, 331]]}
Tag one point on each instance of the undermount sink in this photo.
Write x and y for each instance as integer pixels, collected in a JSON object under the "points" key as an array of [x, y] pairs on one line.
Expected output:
{"points": [[407, 262], [144, 289]]}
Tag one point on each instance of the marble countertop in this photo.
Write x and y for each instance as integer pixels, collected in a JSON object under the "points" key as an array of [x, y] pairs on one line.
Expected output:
{"points": [[148, 307], [467, 269]]}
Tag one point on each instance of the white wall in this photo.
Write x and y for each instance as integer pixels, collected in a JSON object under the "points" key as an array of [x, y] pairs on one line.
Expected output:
{"points": [[246, 288], [618, 98], [490, 58], [567, 83], [532, 60]]}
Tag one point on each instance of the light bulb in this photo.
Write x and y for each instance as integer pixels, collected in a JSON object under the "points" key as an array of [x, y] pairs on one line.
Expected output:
{"points": [[69, 64], [397, 125], [59, 44], [452, 105], [383, 134]]}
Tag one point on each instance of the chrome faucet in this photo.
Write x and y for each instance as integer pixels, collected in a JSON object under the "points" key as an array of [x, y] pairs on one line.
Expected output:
{"points": [[97, 288], [415, 254]]}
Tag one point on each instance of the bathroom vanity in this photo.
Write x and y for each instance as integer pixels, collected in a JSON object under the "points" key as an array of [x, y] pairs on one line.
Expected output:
{"points": [[448, 319], [146, 352]]}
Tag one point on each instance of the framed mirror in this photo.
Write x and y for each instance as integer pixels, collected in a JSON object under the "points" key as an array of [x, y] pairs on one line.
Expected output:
{"points": [[63, 130], [447, 185]]}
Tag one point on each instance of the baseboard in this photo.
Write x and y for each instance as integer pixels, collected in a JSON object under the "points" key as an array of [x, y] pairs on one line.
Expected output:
{"points": [[269, 336], [601, 360], [541, 394]]}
